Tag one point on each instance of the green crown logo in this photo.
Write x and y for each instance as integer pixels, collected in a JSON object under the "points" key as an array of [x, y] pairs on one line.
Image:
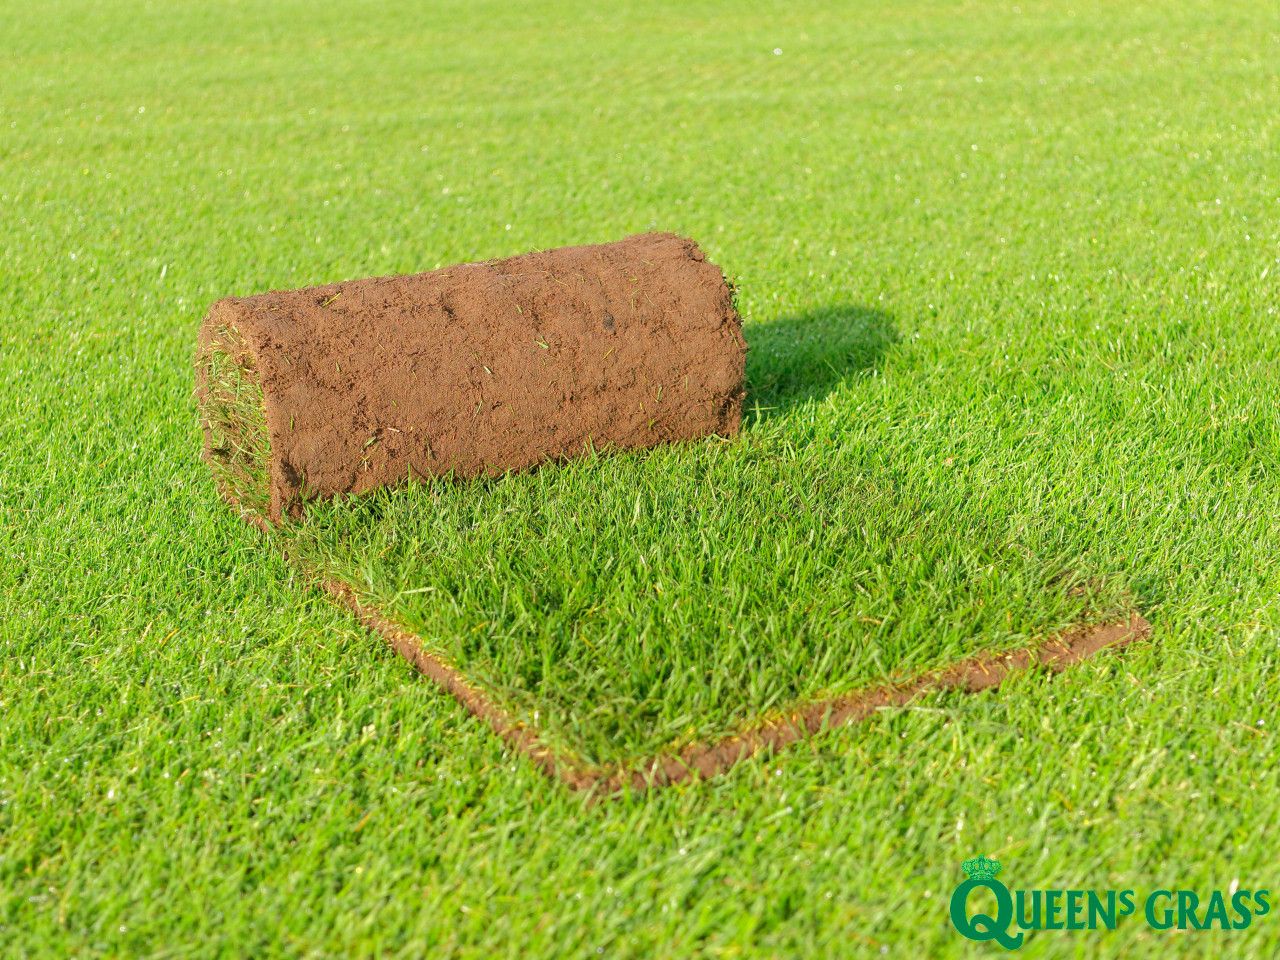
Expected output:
{"points": [[981, 868]]}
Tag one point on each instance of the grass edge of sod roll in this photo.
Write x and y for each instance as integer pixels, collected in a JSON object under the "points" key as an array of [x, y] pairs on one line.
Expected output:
{"points": [[231, 404]]}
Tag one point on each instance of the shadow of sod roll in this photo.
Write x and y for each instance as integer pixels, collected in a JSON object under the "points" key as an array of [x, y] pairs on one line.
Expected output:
{"points": [[472, 370]]}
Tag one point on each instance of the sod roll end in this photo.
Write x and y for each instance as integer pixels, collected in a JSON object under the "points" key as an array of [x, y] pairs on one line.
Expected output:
{"points": [[472, 370]]}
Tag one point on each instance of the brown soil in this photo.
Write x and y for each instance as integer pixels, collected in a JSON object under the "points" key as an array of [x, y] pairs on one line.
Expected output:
{"points": [[481, 368]]}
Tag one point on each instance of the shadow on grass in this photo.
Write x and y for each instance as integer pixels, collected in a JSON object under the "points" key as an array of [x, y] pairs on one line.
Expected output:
{"points": [[806, 356]]}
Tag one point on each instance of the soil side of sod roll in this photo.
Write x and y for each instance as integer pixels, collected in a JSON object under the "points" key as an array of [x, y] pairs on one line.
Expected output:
{"points": [[472, 370]]}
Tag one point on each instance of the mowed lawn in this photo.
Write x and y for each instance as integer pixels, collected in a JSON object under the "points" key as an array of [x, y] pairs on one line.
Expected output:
{"points": [[1011, 277]]}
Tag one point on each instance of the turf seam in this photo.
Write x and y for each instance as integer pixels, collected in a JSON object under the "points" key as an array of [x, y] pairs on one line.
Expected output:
{"points": [[712, 758], [704, 760], [707, 759]]}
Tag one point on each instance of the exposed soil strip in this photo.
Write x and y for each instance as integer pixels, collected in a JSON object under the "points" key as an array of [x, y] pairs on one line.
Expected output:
{"points": [[703, 760]]}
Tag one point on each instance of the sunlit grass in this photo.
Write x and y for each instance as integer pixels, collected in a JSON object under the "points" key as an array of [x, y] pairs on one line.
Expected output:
{"points": [[1010, 278]]}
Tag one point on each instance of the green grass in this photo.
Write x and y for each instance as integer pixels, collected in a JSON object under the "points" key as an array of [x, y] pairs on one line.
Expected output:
{"points": [[1011, 277]]}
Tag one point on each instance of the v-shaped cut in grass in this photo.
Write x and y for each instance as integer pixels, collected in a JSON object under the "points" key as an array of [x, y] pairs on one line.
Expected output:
{"points": [[622, 640], [628, 607], [713, 758]]}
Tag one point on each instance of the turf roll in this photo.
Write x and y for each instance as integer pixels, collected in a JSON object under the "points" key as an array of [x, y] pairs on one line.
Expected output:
{"points": [[471, 370]]}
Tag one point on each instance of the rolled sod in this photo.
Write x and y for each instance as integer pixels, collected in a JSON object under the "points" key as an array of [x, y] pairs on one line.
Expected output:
{"points": [[472, 370]]}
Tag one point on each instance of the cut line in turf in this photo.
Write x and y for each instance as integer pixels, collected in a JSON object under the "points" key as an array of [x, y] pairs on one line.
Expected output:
{"points": [[701, 761], [707, 759]]}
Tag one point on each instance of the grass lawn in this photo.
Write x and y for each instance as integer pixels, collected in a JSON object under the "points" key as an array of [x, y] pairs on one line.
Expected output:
{"points": [[1011, 278]]}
